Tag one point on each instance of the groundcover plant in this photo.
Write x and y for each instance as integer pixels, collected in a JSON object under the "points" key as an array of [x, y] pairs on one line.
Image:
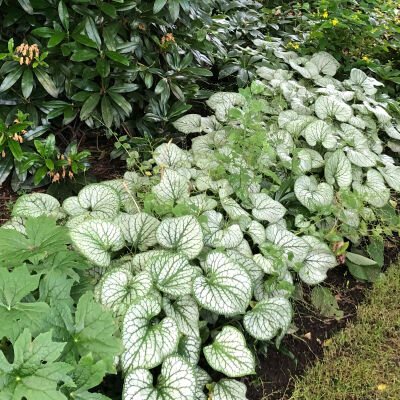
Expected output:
{"points": [[198, 251]]}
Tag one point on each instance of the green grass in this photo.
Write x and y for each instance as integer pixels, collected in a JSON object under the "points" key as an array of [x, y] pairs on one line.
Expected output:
{"points": [[363, 361]]}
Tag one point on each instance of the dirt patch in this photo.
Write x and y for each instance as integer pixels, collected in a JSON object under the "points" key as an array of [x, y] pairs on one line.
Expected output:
{"points": [[276, 372]]}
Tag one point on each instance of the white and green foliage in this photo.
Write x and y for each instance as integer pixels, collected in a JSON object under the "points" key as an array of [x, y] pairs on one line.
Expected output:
{"points": [[223, 231]]}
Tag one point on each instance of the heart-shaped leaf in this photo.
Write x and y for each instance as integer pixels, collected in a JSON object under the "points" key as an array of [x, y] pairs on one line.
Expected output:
{"points": [[229, 389], [265, 208], [332, 107], [185, 312], [176, 381], [338, 169], [182, 234], [95, 239], [190, 123], [229, 354], [139, 230], [317, 262], [268, 318], [120, 288], [226, 289], [147, 344], [311, 194], [173, 187], [172, 274], [374, 189], [37, 204]]}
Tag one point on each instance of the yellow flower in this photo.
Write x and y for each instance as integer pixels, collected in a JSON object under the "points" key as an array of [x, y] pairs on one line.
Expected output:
{"points": [[335, 22], [366, 59], [292, 45], [386, 27], [325, 14], [382, 387]]}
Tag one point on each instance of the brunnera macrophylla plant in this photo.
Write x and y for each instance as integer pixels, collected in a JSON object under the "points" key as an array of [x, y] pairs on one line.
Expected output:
{"points": [[198, 257]]}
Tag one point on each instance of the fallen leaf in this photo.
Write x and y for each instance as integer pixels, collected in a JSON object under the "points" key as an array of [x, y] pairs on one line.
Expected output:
{"points": [[308, 335]]}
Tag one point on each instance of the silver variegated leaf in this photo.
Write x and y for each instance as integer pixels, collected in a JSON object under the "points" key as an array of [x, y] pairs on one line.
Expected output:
{"points": [[265, 208], [317, 262], [227, 287], [256, 232], [338, 169], [268, 318], [332, 107], [147, 345], [320, 132], [172, 274], [185, 312], [374, 189], [190, 123], [120, 288], [170, 155], [391, 173], [291, 244], [229, 389], [100, 200], [139, 230], [173, 187], [325, 63], [202, 379], [182, 234], [311, 194], [95, 239], [189, 348], [37, 204], [229, 353], [176, 381]]}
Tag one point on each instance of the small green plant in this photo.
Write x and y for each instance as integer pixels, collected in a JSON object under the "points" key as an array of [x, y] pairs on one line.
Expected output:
{"points": [[22, 153], [53, 332]]}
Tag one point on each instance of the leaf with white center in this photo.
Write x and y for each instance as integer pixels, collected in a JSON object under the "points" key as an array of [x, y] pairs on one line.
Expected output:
{"points": [[226, 289], [147, 344], [391, 173], [37, 204], [126, 192], [222, 102], [268, 318], [318, 261], [17, 224], [265, 208], [266, 264], [380, 113], [338, 169], [182, 234], [357, 122], [229, 354], [210, 124], [350, 217], [100, 200], [247, 263], [173, 187], [185, 312], [229, 389], [311, 194], [141, 260], [320, 132], [288, 242], [190, 123], [201, 203], [305, 160], [233, 209], [374, 189], [230, 237], [139, 230], [176, 381], [72, 206], [189, 348], [331, 107], [256, 232], [172, 274], [95, 239], [170, 155], [325, 63], [392, 131], [202, 378], [119, 289]]}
